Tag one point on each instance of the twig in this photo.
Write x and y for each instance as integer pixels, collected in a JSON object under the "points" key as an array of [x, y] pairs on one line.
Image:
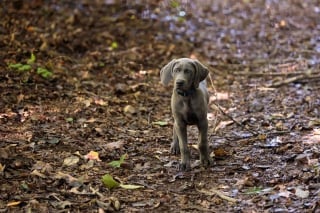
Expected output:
{"points": [[96, 192], [258, 74], [220, 194], [294, 79], [229, 116]]}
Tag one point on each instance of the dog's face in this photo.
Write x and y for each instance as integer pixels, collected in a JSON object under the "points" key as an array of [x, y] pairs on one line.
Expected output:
{"points": [[183, 74], [187, 73]]}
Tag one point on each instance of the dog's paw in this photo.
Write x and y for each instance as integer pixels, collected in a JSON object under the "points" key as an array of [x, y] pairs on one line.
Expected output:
{"points": [[184, 166], [175, 149]]}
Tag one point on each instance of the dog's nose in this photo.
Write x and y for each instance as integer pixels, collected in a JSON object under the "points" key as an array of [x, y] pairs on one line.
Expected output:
{"points": [[180, 83]]}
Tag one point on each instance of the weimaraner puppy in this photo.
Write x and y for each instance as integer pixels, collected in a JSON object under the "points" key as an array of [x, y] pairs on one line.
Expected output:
{"points": [[189, 106]]}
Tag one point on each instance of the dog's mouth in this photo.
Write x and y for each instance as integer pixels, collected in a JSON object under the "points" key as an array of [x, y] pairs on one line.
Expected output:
{"points": [[180, 87], [184, 92]]}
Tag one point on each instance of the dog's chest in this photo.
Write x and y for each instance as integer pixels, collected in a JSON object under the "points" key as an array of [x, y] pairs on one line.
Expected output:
{"points": [[189, 115], [191, 118]]}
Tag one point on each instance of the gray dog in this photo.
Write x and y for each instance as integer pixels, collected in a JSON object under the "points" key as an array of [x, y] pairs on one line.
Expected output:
{"points": [[189, 106]]}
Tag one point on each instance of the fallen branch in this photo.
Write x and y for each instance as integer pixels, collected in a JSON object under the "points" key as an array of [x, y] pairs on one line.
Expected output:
{"points": [[220, 194], [294, 79], [259, 74], [229, 116]]}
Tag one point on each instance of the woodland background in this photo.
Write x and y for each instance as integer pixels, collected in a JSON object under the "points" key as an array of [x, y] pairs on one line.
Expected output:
{"points": [[85, 125]]}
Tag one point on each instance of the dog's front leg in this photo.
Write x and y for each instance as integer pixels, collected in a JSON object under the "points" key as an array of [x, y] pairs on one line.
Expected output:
{"points": [[181, 130], [203, 143], [175, 143]]}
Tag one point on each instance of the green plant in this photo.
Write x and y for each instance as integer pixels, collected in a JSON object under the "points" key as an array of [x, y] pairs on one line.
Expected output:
{"points": [[43, 72], [20, 67], [254, 190], [117, 163]]}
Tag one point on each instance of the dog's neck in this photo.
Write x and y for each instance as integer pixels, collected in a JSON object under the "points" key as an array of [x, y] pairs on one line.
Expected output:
{"points": [[186, 93]]}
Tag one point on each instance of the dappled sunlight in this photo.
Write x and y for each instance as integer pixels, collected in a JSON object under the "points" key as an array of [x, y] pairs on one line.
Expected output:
{"points": [[312, 138]]}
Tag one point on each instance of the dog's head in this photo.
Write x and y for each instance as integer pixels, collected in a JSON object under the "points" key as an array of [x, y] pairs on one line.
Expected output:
{"points": [[187, 73]]}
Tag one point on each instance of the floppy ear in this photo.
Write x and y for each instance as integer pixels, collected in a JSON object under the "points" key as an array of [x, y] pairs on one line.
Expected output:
{"points": [[166, 72], [200, 74]]}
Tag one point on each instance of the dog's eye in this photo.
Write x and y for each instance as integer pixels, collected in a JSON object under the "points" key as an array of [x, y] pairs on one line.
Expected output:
{"points": [[176, 70], [187, 71]]}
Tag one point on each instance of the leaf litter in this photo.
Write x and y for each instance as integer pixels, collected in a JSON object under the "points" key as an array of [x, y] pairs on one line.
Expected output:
{"points": [[89, 80]]}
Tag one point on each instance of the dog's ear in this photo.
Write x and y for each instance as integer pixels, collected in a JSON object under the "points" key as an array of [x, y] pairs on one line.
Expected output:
{"points": [[166, 72], [200, 74]]}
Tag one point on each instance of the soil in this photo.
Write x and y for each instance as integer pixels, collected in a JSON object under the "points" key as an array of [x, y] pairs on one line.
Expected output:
{"points": [[80, 88]]}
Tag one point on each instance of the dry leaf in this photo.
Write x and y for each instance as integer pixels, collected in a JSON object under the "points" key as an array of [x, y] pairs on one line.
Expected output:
{"points": [[92, 155], [70, 161], [114, 145]]}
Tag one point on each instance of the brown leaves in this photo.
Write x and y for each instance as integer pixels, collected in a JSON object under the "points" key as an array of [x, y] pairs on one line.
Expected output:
{"points": [[105, 101]]}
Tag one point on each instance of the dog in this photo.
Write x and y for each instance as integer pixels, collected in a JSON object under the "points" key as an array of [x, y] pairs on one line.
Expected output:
{"points": [[189, 105]]}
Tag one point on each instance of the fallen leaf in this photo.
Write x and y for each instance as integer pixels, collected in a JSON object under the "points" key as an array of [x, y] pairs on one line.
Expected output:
{"points": [[109, 182], [70, 161], [160, 123], [87, 102], [253, 190], [285, 194], [92, 155], [115, 203], [121, 88], [220, 152], [301, 193], [130, 186], [61, 204], [14, 203], [129, 110], [37, 173], [213, 191], [99, 130], [222, 125], [100, 102], [114, 145], [70, 120], [53, 140], [105, 206], [71, 181], [2, 167]]}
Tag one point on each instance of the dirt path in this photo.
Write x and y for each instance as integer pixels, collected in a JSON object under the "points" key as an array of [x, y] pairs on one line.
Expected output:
{"points": [[81, 77]]}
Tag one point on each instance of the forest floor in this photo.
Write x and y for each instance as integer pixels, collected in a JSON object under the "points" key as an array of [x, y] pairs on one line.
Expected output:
{"points": [[80, 88]]}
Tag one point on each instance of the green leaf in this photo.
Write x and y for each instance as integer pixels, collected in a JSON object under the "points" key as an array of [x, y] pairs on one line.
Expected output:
{"points": [[101, 64], [117, 163], [254, 190], [24, 67], [44, 72], [20, 67], [32, 59], [174, 4], [181, 19], [15, 66], [160, 123], [130, 186], [109, 182], [53, 140], [69, 119], [114, 45]]}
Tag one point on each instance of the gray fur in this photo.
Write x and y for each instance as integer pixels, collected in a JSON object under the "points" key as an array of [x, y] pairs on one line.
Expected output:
{"points": [[189, 104]]}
